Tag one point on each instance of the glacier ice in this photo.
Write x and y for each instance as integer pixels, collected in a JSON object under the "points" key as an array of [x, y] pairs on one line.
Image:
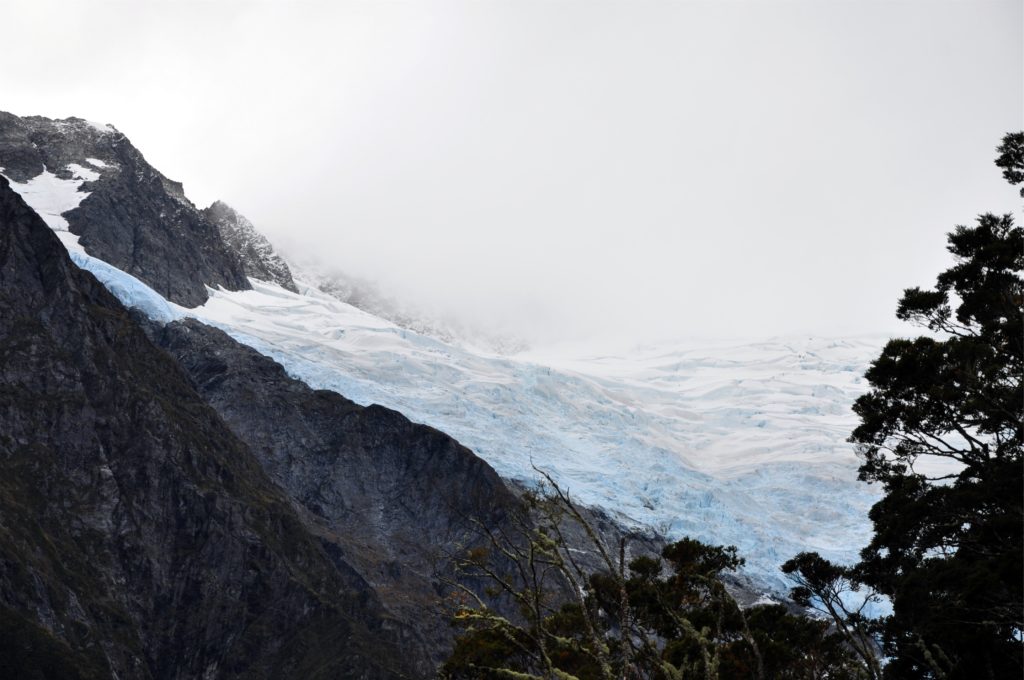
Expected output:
{"points": [[129, 290], [730, 442]]}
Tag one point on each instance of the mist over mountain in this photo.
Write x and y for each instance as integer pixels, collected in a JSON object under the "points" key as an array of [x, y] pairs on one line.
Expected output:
{"points": [[564, 172], [476, 341], [273, 469]]}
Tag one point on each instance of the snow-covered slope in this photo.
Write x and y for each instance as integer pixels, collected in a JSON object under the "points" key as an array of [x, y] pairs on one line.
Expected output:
{"points": [[731, 442], [737, 443]]}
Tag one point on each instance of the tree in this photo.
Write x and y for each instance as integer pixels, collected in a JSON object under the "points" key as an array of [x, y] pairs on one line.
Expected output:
{"points": [[941, 429], [1011, 158], [667, 617], [833, 590]]}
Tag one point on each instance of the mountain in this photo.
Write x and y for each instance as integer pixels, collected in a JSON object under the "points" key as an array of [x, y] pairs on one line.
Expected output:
{"points": [[311, 407], [126, 213], [172, 504], [140, 537], [730, 442], [253, 249]]}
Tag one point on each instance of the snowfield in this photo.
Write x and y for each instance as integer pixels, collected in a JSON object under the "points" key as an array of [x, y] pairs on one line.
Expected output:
{"points": [[728, 442], [738, 443]]}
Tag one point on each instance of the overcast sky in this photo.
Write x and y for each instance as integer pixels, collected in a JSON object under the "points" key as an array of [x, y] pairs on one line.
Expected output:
{"points": [[577, 168]]}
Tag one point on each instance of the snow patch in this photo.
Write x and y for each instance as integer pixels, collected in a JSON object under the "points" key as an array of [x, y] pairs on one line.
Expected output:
{"points": [[96, 162], [51, 197], [83, 173], [100, 127], [765, 599]]}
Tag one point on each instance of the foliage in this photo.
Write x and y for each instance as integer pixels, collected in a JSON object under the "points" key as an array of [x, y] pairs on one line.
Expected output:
{"points": [[834, 590], [942, 430], [1011, 158], [664, 617]]}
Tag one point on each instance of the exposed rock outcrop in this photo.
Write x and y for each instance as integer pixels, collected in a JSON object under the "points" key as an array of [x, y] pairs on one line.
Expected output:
{"points": [[253, 248], [134, 218]]}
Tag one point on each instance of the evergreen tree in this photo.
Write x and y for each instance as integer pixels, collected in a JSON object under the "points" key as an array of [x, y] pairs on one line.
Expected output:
{"points": [[942, 430], [646, 618]]}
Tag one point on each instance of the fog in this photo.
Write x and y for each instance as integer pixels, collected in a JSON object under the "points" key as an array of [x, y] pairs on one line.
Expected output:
{"points": [[566, 169]]}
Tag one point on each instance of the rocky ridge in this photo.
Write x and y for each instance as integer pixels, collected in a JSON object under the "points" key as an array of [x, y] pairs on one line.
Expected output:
{"points": [[254, 250], [134, 218]]}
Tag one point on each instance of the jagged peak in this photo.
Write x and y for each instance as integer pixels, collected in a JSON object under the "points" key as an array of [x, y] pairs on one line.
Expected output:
{"points": [[220, 208], [254, 250], [130, 216]]}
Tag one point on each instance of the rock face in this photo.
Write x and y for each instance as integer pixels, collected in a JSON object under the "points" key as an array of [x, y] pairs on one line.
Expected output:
{"points": [[134, 218], [396, 498], [253, 249], [139, 537]]}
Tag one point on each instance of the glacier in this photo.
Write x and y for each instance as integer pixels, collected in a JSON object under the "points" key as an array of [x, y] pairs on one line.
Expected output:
{"points": [[739, 443], [731, 442]]}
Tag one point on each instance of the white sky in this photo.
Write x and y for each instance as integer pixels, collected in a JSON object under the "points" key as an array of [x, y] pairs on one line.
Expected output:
{"points": [[571, 168]]}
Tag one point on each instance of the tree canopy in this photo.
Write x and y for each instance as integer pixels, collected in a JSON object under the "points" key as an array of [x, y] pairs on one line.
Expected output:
{"points": [[649, 616], [942, 430]]}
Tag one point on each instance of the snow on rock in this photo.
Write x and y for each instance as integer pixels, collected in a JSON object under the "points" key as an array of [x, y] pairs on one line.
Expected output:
{"points": [[51, 197], [83, 173], [102, 128]]}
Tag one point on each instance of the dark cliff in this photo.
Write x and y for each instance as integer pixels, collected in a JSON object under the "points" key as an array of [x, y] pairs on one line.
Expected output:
{"points": [[134, 218], [138, 534], [396, 498], [253, 249]]}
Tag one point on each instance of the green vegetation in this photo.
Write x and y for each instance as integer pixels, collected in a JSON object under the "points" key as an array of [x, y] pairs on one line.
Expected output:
{"points": [[942, 431], [664, 617]]}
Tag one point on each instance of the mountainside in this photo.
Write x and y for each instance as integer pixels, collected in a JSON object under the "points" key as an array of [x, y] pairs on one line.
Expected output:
{"points": [[135, 528], [395, 498], [369, 507], [129, 215], [254, 250]]}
